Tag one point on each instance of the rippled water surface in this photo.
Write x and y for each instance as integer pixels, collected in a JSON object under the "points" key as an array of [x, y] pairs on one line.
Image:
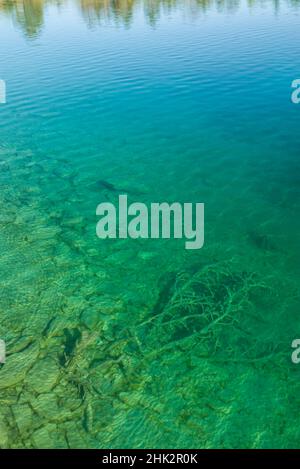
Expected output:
{"points": [[142, 343]]}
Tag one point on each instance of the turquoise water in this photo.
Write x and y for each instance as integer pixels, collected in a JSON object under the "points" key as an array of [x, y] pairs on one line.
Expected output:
{"points": [[141, 343]]}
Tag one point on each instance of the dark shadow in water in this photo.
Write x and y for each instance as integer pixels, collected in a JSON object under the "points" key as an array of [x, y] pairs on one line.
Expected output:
{"points": [[29, 14]]}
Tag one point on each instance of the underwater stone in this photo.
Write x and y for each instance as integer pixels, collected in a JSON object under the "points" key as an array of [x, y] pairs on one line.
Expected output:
{"points": [[44, 375], [90, 317], [16, 367], [74, 436], [3, 434], [46, 405], [43, 438], [23, 416]]}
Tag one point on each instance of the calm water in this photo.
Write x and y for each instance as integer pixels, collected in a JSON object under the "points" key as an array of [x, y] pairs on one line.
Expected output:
{"points": [[141, 343]]}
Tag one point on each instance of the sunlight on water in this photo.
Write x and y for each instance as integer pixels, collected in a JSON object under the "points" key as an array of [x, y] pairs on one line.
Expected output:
{"points": [[127, 343]]}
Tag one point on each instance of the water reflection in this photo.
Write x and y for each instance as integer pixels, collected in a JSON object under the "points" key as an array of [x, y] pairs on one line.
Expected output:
{"points": [[29, 14]]}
